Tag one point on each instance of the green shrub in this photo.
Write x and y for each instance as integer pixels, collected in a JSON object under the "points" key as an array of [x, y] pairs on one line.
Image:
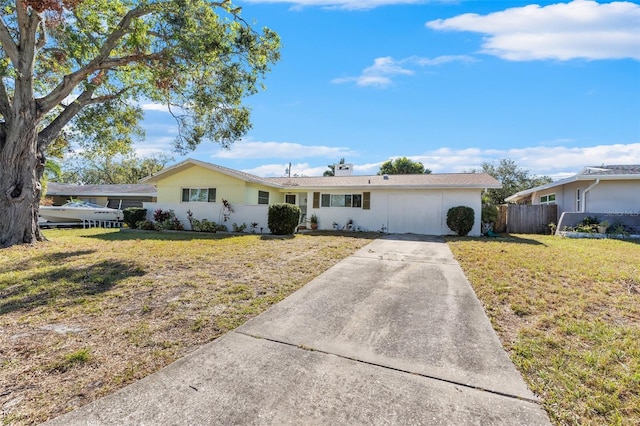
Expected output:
{"points": [[133, 215], [200, 225], [167, 220], [489, 213], [239, 228], [146, 225], [207, 226], [460, 219], [283, 218]]}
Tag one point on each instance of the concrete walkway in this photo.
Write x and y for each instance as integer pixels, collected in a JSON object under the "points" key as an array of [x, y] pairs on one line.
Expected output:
{"points": [[393, 335]]}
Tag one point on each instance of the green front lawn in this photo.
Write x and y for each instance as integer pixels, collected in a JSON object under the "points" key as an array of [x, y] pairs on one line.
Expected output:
{"points": [[568, 313]]}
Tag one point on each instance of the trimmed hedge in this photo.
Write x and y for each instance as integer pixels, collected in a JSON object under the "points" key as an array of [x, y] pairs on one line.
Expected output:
{"points": [[283, 218], [133, 215], [460, 219]]}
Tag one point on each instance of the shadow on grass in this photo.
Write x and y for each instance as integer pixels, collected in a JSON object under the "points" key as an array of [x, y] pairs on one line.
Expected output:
{"points": [[502, 238], [136, 234], [350, 234], [628, 240], [64, 285], [48, 258]]}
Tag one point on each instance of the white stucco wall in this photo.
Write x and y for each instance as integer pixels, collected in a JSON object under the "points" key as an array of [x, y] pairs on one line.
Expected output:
{"points": [[621, 196], [211, 211], [403, 211], [394, 211], [614, 197]]}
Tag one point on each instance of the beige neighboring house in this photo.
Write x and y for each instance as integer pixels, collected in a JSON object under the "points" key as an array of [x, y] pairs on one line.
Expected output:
{"points": [[395, 203], [113, 196]]}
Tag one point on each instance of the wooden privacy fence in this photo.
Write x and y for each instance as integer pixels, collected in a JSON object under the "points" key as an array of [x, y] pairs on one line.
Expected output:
{"points": [[526, 219]]}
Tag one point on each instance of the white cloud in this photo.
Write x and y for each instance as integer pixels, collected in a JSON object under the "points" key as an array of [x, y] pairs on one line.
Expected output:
{"points": [[554, 161], [445, 59], [156, 145], [579, 29], [277, 170], [384, 68], [154, 107], [343, 4], [251, 150]]}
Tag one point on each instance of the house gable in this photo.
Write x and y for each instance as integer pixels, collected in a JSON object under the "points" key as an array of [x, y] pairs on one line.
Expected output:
{"points": [[170, 188]]}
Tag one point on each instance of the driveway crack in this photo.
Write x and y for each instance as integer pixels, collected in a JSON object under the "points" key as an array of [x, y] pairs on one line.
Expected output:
{"points": [[400, 370]]}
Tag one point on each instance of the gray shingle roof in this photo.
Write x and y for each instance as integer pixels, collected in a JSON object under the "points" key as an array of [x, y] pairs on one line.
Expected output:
{"points": [[627, 169], [54, 188], [444, 180]]}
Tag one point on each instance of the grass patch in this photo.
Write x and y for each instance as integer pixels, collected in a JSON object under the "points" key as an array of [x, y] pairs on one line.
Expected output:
{"points": [[93, 310], [76, 358], [568, 312]]}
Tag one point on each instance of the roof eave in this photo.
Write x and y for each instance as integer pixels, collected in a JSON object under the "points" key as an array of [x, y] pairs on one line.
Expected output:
{"points": [[373, 186], [610, 177]]}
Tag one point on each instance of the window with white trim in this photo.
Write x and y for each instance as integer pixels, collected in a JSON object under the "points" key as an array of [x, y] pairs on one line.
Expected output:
{"points": [[263, 197], [578, 196], [548, 199], [198, 195], [341, 200]]}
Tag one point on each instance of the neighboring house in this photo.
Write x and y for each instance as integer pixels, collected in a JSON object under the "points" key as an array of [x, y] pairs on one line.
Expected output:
{"points": [[606, 192], [395, 203], [113, 196]]}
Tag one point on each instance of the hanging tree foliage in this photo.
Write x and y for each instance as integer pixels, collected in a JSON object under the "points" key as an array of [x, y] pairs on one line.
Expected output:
{"points": [[78, 67]]}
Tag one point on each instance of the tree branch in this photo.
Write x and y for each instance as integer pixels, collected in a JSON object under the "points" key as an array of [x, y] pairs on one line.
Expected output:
{"points": [[28, 21], [86, 98], [101, 61], [53, 129], [8, 44], [42, 39]]}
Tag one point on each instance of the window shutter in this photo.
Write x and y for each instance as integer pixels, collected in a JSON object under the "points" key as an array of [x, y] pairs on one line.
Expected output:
{"points": [[366, 201], [212, 195], [316, 200], [185, 195]]}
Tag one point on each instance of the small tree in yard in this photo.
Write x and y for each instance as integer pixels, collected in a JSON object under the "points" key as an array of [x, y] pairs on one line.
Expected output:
{"points": [[460, 219], [283, 218], [77, 70]]}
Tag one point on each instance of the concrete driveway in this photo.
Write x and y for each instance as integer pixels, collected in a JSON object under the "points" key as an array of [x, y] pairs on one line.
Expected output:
{"points": [[391, 335]]}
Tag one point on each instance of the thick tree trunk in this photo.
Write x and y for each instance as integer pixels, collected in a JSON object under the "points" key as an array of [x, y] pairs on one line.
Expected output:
{"points": [[21, 168]]}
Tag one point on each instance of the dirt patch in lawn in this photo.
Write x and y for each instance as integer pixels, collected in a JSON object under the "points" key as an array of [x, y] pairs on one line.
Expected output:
{"points": [[94, 310]]}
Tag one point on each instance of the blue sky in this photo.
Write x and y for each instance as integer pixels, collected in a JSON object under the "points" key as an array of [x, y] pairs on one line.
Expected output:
{"points": [[553, 85]]}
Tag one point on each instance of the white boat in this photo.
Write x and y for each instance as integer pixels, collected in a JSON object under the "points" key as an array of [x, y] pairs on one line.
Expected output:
{"points": [[79, 211]]}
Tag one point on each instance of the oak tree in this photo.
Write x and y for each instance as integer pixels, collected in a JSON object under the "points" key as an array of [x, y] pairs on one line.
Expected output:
{"points": [[84, 66], [513, 178], [402, 166]]}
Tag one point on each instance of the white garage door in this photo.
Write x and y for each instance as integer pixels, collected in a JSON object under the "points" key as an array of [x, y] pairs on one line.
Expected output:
{"points": [[415, 213]]}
